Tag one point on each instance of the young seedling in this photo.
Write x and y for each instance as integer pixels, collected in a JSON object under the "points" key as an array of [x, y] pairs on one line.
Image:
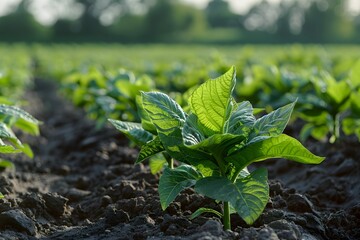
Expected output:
{"points": [[215, 143]]}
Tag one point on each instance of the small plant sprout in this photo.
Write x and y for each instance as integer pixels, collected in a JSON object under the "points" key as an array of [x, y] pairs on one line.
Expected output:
{"points": [[215, 142]]}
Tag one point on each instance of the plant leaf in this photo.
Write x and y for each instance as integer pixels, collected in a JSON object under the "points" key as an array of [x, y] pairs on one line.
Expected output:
{"points": [[28, 127], [248, 195], [205, 210], [282, 146], [6, 163], [169, 119], [210, 102], [8, 149], [241, 120], [219, 143], [173, 181], [145, 119], [157, 163], [150, 149], [164, 112], [339, 92], [17, 113], [6, 132], [272, 124], [191, 131], [133, 131]]}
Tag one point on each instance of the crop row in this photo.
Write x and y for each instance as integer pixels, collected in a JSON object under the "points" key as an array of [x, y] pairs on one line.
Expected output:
{"points": [[325, 81]]}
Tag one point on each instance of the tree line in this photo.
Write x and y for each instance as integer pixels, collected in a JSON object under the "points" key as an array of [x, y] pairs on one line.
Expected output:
{"points": [[172, 21]]}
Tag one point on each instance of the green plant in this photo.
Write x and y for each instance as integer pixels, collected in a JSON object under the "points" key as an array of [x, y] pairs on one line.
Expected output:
{"points": [[327, 107], [215, 143], [11, 116], [106, 95]]}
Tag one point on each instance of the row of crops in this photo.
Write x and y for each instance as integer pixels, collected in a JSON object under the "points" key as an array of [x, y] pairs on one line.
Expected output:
{"points": [[107, 80], [317, 87]]}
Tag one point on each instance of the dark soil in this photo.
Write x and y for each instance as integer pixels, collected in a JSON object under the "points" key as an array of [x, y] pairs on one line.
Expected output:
{"points": [[83, 184]]}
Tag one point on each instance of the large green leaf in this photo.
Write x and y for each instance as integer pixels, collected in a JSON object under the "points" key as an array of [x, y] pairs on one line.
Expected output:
{"points": [[133, 131], [211, 101], [248, 195], [282, 146], [169, 119], [150, 149], [272, 124], [23, 120], [17, 113], [241, 119], [145, 119], [163, 111], [173, 181]]}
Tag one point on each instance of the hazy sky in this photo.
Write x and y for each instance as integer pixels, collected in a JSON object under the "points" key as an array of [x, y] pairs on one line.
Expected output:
{"points": [[46, 13]]}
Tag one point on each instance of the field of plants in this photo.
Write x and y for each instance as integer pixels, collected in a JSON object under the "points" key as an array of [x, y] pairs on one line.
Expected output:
{"points": [[170, 142]]}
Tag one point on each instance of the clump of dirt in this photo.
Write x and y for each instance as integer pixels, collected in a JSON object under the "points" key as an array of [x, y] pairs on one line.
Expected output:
{"points": [[83, 184]]}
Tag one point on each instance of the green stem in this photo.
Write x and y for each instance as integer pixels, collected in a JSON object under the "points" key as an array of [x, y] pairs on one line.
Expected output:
{"points": [[226, 212], [336, 128], [236, 174], [169, 160], [226, 216]]}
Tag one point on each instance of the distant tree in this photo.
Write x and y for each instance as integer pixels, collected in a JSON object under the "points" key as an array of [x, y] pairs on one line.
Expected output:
{"points": [[88, 25], [20, 25], [129, 28], [262, 17], [218, 14], [327, 21], [171, 20]]}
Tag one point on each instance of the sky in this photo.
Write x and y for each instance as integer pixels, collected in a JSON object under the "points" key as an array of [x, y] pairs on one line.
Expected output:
{"points": [[47, 11]]}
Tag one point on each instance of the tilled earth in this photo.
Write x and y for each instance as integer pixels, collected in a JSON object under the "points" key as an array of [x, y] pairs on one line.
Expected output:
{"points": [[83, 184]]}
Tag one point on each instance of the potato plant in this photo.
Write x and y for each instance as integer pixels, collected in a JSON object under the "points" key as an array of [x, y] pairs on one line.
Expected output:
{"points": [[215, 142]]}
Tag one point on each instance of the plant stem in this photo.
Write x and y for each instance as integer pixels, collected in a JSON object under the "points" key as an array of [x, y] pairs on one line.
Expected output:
{"points": [[226, 206], [226, 216], [171, 163], [336, 128], [169, 160]]}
